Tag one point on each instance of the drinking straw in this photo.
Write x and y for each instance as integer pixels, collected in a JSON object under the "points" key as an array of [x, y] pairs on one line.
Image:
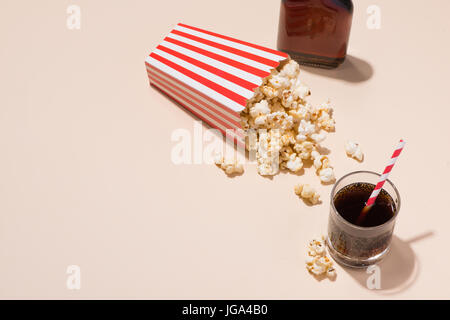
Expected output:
{"points": [[383, 178]]}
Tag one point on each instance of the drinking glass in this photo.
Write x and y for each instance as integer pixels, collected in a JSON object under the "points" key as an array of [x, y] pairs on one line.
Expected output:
{"points": [[353, 245]]}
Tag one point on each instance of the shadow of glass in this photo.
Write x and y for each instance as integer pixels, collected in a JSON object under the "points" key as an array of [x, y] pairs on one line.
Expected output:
{"points": [[352, 70], [399, 269]]}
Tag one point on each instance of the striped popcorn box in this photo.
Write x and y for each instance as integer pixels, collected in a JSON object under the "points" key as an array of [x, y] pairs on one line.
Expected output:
{"points": [[211, 75]]}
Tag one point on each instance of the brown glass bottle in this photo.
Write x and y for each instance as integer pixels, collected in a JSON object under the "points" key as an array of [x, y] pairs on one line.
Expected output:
{"points": [[315, 32]]}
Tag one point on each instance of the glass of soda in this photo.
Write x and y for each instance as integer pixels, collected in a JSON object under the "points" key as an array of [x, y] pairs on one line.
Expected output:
{"points": [[361, 244]]}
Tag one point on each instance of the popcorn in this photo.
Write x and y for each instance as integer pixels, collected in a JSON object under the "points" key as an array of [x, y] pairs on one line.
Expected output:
{"points": [[306, 192], [245, 122], [285, 153], [323, 168], [324, 108], [288, 138], [354, 150], [230, 165], [269, 92], [301, 91], [280, 120], [268, 152], [318, 137], [331, 273], [305, 129], [317, 246], [290, 70], [276, 106], [294, 163], [278, 81], [326, 123], [279, 105], [261, 120], [320, 161], [327, 175], [317, 262], [323, 117], [289, 100], [304, 149], [260, 108], [309, 259], [298, 114]]}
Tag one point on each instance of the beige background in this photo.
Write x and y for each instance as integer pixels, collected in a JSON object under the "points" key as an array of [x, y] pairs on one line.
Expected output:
{"points": [[86, 176]]}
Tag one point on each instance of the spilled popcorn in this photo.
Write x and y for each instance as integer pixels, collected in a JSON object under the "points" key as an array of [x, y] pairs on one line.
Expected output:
{"points": [[305, 191], [317, 262], [229, 164], [323, 168], [283, 128], [354, 150]]}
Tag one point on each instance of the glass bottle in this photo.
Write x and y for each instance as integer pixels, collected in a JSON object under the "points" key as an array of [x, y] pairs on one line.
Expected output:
{"points": [[315, 32]]}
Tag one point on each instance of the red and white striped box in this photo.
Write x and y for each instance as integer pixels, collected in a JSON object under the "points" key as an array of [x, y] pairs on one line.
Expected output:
{"points": [[210, 74]]}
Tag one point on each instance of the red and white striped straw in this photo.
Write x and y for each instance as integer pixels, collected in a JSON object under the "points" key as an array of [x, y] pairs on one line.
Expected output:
{"points": [[383, 178]]}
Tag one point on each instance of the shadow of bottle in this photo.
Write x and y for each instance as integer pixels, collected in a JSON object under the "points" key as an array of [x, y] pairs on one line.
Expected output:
{"points": [[398, 270], [353, 69]]}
